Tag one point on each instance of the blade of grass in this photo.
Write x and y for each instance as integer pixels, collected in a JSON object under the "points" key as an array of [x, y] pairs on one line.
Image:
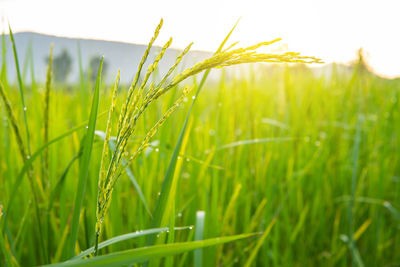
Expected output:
{"points": [[299, 224], [84, 164], [229, 212], [148, 253], [23, 224], [260, 242], [256, 141], [124, 237], [60, 183], [45, 166], [21, 90], [356, 258], [199, 234]]}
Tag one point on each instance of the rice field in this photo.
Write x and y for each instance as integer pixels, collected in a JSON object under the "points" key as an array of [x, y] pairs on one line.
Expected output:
{"points": [[277, 166]]}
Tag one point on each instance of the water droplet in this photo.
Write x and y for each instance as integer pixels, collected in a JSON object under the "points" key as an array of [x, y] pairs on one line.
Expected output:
{"points": [[157, 149], [87, 127], [159, 193], [344, 238], [193, 97], [28, 157], [190, 227], [25, 108], [179, 157]]}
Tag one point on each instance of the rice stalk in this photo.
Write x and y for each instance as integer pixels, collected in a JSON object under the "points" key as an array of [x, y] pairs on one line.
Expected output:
{"points": [[46, 117], [138, 100], [25, 158], [13, 121], [136, 79]]}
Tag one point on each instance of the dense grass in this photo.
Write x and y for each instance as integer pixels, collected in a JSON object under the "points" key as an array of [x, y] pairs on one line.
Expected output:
{"points": [[307, 160]]}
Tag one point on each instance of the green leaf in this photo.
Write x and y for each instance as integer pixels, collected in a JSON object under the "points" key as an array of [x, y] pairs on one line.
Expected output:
{"points": [[199, 234], [256, 141], [21, 90], [148, 253], [124, 237], [57, 190], [84, 163]]}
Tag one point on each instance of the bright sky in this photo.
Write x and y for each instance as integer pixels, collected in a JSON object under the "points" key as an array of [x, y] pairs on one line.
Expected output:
{"points": [[332, 30]]}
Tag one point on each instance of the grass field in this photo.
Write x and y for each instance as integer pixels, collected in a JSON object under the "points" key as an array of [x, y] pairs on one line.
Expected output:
{"points": [[308, 163]]}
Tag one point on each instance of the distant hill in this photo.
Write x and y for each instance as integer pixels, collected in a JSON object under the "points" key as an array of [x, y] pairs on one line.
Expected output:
{"points": [[119, 55]]}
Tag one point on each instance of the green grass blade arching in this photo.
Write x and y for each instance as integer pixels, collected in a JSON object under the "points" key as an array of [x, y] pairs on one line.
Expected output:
{"points": [[148, 253], [84, 164], [163, 198], [124, 237], [57, 189], [21, 90], [256, 141]]}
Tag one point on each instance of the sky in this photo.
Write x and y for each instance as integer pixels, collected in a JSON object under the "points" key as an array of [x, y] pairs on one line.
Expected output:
{"points": [[330, 30]]}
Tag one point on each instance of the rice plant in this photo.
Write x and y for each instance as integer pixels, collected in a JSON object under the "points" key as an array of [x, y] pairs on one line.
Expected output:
{"points": [[138, 100], [290, 168]]}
